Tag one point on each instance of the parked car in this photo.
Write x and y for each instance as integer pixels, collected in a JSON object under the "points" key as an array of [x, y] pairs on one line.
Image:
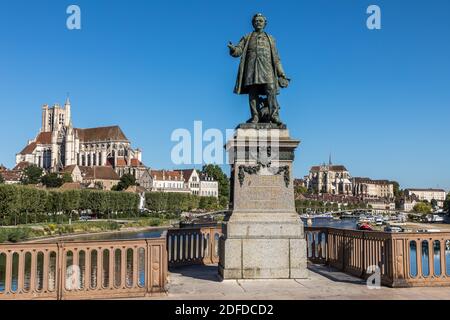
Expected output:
{"points": [[85, 218]]}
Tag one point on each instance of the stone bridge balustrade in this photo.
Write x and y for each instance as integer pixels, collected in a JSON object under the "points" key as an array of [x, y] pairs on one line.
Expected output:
{"points": [[83, 270], [189, 246], [403, 259]]}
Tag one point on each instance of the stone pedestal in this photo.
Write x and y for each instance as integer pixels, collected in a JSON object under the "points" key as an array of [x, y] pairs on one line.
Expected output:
{"points": [[263, 237]]}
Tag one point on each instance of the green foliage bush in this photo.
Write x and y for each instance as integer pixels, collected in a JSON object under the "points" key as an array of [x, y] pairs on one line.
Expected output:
{"points": [[422, 207], [178, 202], [22, 204], [15, 234]]}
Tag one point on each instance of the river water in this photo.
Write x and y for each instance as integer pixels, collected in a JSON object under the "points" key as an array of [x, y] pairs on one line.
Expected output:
{"points": [[348, 223]]}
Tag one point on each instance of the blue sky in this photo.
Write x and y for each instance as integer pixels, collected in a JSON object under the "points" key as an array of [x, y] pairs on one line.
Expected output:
{"points": [[377, 100]]}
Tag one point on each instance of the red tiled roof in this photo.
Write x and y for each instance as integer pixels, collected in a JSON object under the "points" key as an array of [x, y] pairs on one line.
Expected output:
{"points": [[44, 138], [21, 165], [331, 168], [11, 175], [99, 172], [121, 162], [186, 173], [370, 181], [161, 174], [29, 149], [113, 133], [136, 163], [431, 189]]}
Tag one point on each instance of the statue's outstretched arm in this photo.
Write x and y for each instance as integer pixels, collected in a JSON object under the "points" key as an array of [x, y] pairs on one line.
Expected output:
{"points": [[236, 51]]}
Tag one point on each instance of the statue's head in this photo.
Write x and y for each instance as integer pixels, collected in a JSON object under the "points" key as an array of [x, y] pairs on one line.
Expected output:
{"points": [[259, 22]]}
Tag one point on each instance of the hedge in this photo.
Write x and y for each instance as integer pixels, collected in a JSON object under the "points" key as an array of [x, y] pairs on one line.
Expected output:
{"points": [[22, 204], [177, 202]]}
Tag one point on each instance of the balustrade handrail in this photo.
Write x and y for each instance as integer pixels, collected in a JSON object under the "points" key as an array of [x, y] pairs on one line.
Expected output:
{"points": [[83, 269], [403, 259], [193, 245]]}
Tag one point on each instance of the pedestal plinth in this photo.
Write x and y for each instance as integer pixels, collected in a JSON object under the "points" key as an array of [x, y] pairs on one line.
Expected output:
{"points": [[263, 237]]}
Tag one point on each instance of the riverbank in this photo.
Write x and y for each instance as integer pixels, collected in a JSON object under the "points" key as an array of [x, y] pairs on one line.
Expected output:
{"points": [[49, 232], [106, 235]]}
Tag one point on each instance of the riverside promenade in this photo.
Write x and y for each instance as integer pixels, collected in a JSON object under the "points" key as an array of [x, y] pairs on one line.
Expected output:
{"points": [[202, 283]]}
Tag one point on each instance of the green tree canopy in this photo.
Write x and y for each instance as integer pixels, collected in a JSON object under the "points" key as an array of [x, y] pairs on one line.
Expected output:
{"points": [[434, 203], [2, 180], [422, 207], [301, 190], [447, 203], [51, 180], [126, 181], [214, 171], [31, 175], [398, 193], [67, 178]]}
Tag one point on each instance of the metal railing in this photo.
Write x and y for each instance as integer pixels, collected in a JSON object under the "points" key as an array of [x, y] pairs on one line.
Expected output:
{"points": [[402, 259], [83, 270]]}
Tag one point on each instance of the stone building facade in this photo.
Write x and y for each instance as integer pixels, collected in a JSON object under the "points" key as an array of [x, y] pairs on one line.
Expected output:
{"points": [[428, 194], [168, 181], [59, 145], [336, 180], [208, 186], [186, 181], [369, 188], [332, 179]]}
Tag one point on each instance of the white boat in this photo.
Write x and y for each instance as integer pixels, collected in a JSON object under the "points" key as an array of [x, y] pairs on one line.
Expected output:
{"points": [[428, 230], [435, 218], [393, 229], [379, 221], [327, 215]]}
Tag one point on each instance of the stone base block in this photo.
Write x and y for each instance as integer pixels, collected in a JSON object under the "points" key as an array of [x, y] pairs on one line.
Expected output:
{"points": [[262, 258]]}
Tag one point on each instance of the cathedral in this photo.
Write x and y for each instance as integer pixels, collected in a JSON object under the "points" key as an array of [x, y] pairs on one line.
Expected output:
{"points": [[59, 145]]}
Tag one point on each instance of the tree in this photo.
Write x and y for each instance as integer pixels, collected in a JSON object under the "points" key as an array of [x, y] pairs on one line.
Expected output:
{"points": [[434, 203], [126, 181], [67, 178], [52, 180], [398, 193], [9, 203], [31, 175], [301, 190], [422, 207], [2, 180], [215, 172], [447, 203]]}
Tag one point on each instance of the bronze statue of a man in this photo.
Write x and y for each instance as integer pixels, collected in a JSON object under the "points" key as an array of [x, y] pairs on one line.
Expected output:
{"points": [[260, 72]]}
